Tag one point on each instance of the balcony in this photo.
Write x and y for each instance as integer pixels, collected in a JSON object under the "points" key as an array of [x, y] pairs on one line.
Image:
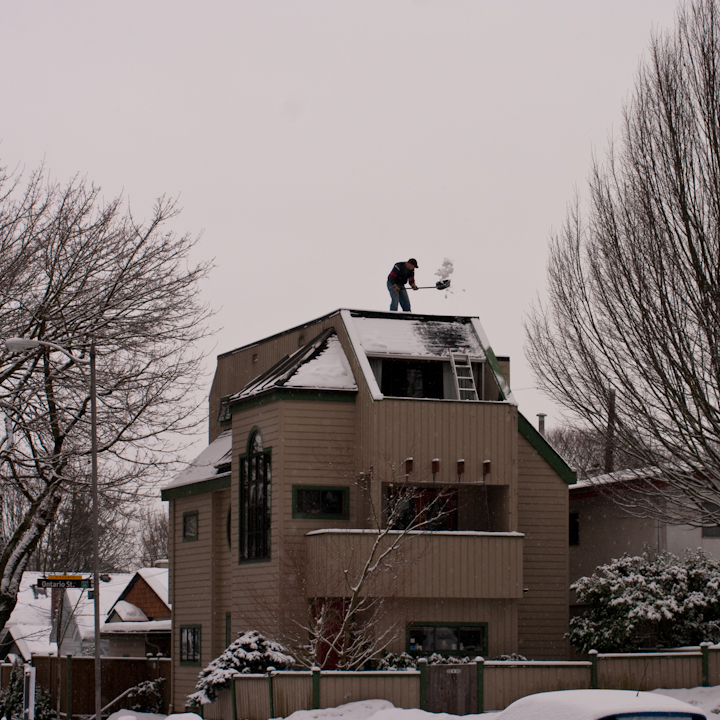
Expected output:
{"points": [[424, 564]]}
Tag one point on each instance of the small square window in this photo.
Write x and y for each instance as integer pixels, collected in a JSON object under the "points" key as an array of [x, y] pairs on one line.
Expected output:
{"points": [[190, 645], [320, 502], [190, 526]]}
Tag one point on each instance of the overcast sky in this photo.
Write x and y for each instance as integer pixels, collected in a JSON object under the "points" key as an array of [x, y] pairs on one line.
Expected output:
{"points": [[314, 143]]}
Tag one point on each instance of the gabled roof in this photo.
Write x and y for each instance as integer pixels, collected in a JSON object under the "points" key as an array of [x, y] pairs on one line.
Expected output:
{"points": [[318, 365], [209, 465]]}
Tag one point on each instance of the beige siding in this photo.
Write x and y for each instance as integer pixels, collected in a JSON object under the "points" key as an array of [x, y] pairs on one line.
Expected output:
{"points": [[543, 518], [222, 568], [431, 565], [500, 616], [193, 582]]}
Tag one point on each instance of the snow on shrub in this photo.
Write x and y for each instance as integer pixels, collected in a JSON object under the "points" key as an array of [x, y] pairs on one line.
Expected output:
{"points": [[250, 653], [648, 601]]}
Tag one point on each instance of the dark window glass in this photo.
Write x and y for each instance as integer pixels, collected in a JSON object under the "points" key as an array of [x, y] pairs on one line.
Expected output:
{"points": [[320, 501], [574, 528], [190, 644], [255, 511], [446, 640], [431, 508], [190, 526], [411, 378]]}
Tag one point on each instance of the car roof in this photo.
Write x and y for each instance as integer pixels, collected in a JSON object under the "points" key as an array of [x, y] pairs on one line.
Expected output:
{"points": [[591, 705]]}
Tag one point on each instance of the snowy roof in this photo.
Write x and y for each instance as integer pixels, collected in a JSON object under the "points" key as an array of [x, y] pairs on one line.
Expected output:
{"points": [[84, 614], [419, 336], [127, 612], [320, 364], [157, 579], [616, 478], [118, 628], [207, 464]]}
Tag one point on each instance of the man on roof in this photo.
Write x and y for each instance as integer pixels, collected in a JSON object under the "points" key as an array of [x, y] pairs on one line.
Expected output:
{"points": [[401, 273]]}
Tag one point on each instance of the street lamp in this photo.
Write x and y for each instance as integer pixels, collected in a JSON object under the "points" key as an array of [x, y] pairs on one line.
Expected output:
{"points": [[17, 345]]}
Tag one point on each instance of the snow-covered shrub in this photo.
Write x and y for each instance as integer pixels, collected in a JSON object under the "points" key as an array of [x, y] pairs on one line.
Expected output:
{"points": [[648, 601], [250, 653], [11, 698], [146, 697], [405, 661]]}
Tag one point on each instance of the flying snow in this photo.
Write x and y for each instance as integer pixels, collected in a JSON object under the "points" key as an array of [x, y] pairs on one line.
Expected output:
{"points": [[445, 271]]}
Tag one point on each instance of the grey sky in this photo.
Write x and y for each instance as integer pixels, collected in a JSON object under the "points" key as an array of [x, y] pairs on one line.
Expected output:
{"points": [[315, 143]]}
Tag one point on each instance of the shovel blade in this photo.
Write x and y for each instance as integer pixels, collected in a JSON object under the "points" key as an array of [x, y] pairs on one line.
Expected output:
{"points": [[442, 284]]}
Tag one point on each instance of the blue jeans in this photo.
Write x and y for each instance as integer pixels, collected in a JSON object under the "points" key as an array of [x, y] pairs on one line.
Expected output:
{"points": [[400, 295]]}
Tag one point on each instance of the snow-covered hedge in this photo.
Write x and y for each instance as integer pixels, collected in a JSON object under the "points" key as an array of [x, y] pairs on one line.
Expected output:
{"points": [[648, 601], [250, 653]]}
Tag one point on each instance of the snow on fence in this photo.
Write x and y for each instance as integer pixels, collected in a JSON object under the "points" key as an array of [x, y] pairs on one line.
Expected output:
{"points": [[258, 697]]}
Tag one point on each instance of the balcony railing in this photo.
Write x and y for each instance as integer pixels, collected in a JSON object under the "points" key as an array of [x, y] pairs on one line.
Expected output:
{"points": [[424, 564]]}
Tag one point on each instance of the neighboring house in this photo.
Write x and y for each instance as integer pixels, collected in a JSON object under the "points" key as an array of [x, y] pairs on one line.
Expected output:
{"points": [[139, 621], [27, 631], [601, 530], [310, 430], [133, 607]]}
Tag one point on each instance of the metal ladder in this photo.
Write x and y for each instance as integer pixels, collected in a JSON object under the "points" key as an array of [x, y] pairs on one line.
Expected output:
{"points": [[464, 380]]}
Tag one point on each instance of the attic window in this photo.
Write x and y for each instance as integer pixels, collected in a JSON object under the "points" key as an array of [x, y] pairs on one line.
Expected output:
{"points": [[412, 378], [224, 413]]}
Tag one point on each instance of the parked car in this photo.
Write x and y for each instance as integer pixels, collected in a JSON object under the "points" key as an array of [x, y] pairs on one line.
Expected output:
{"points": [[599, 705]]}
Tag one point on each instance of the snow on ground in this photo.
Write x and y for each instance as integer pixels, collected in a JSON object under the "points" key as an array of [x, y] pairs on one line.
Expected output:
{"points": [[706, 699]]}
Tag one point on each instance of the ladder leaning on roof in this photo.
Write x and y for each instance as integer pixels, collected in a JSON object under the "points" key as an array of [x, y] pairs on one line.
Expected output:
{"points": [[463, 374]]}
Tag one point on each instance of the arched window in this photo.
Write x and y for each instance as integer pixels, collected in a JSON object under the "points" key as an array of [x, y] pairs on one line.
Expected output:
{"points": [[255, 516]]}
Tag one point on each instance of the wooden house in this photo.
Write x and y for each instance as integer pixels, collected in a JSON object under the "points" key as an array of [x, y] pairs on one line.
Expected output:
{"points": [[311, 432]]}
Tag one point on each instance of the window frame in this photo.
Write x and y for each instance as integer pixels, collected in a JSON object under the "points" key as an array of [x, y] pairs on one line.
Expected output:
{"points": [[196, 629], [263, 458], [186, 515], [439, 624], [344, 489]]}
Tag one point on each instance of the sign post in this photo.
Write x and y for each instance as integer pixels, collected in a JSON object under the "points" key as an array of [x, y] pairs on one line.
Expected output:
{"points": [[29, 693], [65, 581]]}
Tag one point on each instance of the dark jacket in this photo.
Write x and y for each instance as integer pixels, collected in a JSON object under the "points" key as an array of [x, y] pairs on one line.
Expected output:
{"points": [[400, 274]]}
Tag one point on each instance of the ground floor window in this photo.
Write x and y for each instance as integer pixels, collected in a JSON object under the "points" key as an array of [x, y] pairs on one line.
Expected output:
{"points": [[190, 644], [447, 638]]}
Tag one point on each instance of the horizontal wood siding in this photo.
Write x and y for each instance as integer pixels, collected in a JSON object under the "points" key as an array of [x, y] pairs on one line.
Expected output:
{"points": [[500, 616], [543, 518], [222, 568], [436, 565], [505, 683], [236, 369], [650, 671], [192, 589]]}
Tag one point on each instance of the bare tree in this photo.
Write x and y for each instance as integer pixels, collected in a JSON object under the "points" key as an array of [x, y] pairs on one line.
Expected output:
{"points": [[154, 532], [634, 281], [347, 622], [78, 270]]}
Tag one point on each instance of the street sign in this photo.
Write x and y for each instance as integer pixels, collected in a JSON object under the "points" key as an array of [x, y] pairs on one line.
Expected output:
{"points": [[64, 581]]}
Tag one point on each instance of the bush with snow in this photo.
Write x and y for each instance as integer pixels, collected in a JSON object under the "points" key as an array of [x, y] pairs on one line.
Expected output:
{"points": [[648, 601], [250, 653]]}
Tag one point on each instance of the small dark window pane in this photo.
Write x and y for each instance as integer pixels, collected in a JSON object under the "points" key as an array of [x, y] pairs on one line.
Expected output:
{"points": [[446, 640], [574, 528], [410, 378], [190, 644], [190, 526], [320, 502]]}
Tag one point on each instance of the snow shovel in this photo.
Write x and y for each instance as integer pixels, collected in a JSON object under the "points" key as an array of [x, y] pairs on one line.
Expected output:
{"points": [[439, 285]]}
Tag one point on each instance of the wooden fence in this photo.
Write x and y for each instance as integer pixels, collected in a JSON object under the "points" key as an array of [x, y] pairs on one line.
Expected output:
{"points": [[75, 682], [259, 697]]}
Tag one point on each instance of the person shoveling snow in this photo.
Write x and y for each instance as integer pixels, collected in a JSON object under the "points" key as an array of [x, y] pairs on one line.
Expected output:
{"points": [[403, 272]]}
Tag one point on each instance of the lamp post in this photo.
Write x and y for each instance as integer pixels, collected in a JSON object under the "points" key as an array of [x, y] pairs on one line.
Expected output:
{"points": [[23, 345]]}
